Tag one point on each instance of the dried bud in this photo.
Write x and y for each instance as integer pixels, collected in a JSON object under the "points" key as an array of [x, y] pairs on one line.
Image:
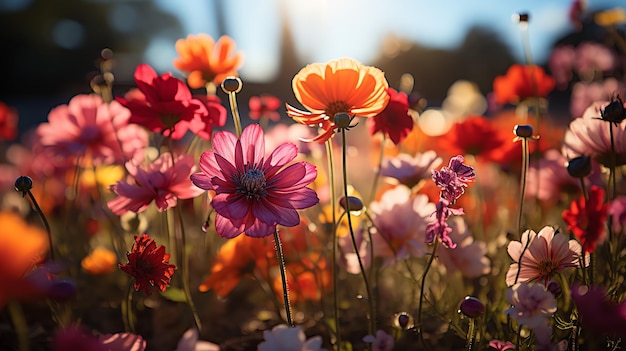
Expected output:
{"points": [[521, 17], [523, 131], [579, 167], [232, 85], [472, 307], [554, 288], [403, 321], [343, 120], [614, 112], [354, 202], [23, 184]]}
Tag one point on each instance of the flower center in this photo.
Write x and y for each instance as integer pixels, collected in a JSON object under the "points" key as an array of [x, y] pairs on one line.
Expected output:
{"points": [[335, 107], [546, 268], [252, 184]]}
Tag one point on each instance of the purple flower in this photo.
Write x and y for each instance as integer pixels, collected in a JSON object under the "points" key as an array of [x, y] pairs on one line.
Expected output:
{"points": [[440, 228], [453, 179]]}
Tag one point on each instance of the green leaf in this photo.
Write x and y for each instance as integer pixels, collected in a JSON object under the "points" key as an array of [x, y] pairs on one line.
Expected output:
{"points": [[174, 294]]}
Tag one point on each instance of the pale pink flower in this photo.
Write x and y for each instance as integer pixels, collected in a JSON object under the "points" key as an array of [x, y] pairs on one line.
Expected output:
{"points": [[123, 342], [400, 223], [381, 342], [410, 170], [468, 256], [89, 127], [548, 178], [532, 304], [254, 193], [295, 134], [163, 181], [348, 255], [589, 136], [586, 93], [189, 342], [544, 255], [284, 338]]}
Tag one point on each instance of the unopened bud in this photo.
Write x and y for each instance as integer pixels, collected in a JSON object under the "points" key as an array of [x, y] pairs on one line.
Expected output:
{"points": [[614, 112], [23, 184], [521, 17], [232, 84], [472, 307], [342, 120], [403, 321], [354, 202], [554, 288], [523, 131], [579, 167]]}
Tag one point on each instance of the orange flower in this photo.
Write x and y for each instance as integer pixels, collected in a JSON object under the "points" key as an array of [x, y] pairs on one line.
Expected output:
{"points": [[100, 261], [307, 278], [22, 246], [518, 84], [343, 85], [206, 60]]}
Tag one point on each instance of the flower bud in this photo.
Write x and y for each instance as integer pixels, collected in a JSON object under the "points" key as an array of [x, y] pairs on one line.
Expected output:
{"points": [[354, 202], [232, 85], [523, 131], [343, 120], [472, 307], [554, 288], [23, 184], [579, 167], [403, 321], [614, 112], [521, 17]]}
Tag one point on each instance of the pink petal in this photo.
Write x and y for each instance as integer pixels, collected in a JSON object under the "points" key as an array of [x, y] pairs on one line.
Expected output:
{"points": [[224, 144], [253, 144], [225, 228]]}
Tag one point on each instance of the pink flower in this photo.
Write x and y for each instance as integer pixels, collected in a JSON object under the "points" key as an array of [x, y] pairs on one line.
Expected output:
{"points": [[532, 304], [163, 104], [395, 120], [400, 223], [284, 338], [89, 127], [469, 256], [123, 342], [501, 345], [453, 179], [189, 342], [617, 211], [203, 125], [586, 93], [541, 256], [381, 342], [164, 181], [254, 193], [548, 178], [410, 170], [439, 228], [295, 134], [598, 314], [264, 106], [588, 135]]}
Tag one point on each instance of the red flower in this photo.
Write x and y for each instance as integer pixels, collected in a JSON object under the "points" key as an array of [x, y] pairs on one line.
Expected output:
{"points": [[203, 126], [264, 106], [163, 104], [585, 218], [518, 84], [394, 120], [148, 264], [8, 122]]}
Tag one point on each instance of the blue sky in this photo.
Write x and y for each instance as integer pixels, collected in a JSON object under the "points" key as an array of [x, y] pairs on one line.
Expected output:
{"points": [[328, 29]]}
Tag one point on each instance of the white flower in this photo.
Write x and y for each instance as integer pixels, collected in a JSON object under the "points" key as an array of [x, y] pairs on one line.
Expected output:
{"points": [[284, 338]]}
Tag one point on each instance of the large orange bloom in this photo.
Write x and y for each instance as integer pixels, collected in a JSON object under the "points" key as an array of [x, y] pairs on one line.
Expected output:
{"points": [[343, 85], [206, 60], [520, 82]]}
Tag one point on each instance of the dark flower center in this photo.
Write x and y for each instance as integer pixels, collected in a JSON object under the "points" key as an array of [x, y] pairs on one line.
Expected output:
{"points": [[336, 107], [252, 184], [546, 268]]}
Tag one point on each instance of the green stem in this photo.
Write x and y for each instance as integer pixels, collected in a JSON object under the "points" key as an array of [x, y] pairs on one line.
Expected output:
{"points": [[421, 300], [45, 223], [232, 99], [333, 205], [370, 297], [127, 309], [524, 173], [20, 324], [184, 262], [470, 334], [283, 276]]}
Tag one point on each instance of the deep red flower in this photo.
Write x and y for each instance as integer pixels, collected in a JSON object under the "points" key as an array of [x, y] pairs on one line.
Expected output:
{"points": [[585, 218], [8, 122], [264, 106], [255, 192], [163, 103], [148, 264], [203, 126], [394, 120], [520, 82]]}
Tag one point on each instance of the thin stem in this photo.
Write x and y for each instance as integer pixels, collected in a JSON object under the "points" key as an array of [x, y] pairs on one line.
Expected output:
{"points": [[283, 276], [232, 99], [470, 334], [45, 222], [184, 262], [20, 324], [127, 309], [583, 187], [613, 164], [421, 300], [333, 205], [370, 297], [522, 184]]}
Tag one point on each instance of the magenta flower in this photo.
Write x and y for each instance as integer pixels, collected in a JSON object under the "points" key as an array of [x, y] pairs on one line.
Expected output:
{"points": [[163, 104], [501, 345], [89, 127], [440, 228], [453, 179], [163, 181], [254, 193], [598, 314]]}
